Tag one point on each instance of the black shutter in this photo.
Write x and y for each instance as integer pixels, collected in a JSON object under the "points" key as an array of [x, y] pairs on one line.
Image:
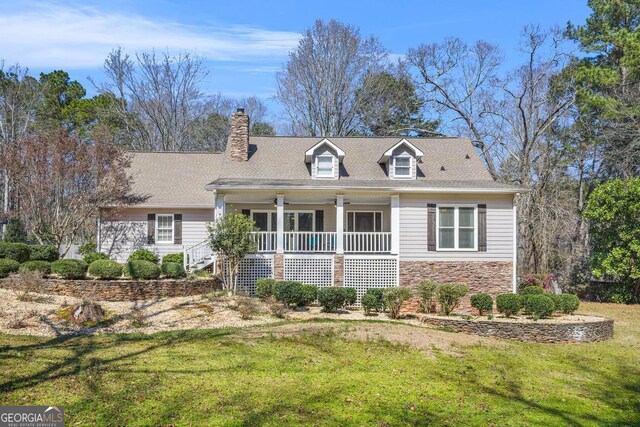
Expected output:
{"points": [[319, 220], [482, 228], [246, 212], [177, 229], [431, 227], [151, 229]]}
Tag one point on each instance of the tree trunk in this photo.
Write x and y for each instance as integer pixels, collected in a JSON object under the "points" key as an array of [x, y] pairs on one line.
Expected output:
{"points": [[88, 312]]}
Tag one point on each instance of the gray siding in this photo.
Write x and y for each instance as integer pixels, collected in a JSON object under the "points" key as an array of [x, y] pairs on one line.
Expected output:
{"points": [[119, 238], [413, 228]]}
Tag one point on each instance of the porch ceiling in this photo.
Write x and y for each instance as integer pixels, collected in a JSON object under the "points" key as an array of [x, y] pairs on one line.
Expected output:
{"points": [[265, 197]]}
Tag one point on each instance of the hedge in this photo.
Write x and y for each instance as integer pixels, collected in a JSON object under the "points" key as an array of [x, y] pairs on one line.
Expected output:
{"points": [[373, 299], [332, 298], [532, 290], [565, 303], [69, 268], [309, 294], [350, 296], [43, 253], [143, 255], [539, 306], [483, 302], [289, 292], [16, 251], [8, 266], [43, 267], [509, 304], [264, 287], [94, 256], [105, 269], [177, 257], [173, 270], [141, 269]]}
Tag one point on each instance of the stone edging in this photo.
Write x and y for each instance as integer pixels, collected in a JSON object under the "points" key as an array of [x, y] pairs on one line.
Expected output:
{"points": [[118, 290], [599, 330]]}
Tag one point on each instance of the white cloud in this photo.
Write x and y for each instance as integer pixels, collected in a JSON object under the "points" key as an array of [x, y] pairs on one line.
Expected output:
{"points": [[45, 36]]}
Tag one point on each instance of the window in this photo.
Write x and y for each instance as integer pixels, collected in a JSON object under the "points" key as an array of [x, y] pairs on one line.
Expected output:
{"points": [[265, 220], [364, 222], [402, 167], [164, 228], [325, 167], [457, 228]]}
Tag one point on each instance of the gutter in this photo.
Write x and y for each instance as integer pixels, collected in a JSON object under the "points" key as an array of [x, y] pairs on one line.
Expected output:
{"points": [[393, 189]]}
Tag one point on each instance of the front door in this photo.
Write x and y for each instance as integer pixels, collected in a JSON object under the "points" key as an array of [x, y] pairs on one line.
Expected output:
{"points": [[364, 222]]}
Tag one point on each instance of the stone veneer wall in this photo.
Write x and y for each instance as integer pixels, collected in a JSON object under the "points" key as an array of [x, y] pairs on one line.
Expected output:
{"points": [[601, 330], [239, 138], [278, 267], [119, 290], [490, 277], [338, 270]]}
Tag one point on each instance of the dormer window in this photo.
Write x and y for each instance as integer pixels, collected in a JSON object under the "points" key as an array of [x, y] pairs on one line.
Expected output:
{"points": [[325, 166], [401, 160], [402, 167]]}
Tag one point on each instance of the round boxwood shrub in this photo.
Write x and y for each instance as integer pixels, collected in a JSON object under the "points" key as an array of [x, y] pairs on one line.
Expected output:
{"points": [[43, 253], [16, 251], [141, 269], [309, 294], [173, 270], [332, 298], [105, 269], [565, 303], [289, 292], [264, 287], [69, 268], [8, 266], [509, 304], [143, 255], [532, 290], [95, 256], [373, 299], [43, 267], [539, 306], [350, 296], [449, 295], [483, 302], [177, 257]]}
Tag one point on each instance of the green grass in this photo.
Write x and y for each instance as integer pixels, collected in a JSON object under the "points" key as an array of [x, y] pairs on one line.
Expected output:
{"points": [[220, 377]]}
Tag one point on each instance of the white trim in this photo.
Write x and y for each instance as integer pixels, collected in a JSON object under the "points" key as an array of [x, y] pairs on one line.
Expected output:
{"points": [[395, 224], [219, 206], [339, 224], [280, 223], [515, 245], [270, 225], [173, 230], [332, 174], [394, 159], [456, 227], [354, 211], [308, 155], [376, 189], [416, 152]]}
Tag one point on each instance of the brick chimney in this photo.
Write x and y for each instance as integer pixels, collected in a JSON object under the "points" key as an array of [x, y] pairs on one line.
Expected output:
{"points": [[239, 138]]}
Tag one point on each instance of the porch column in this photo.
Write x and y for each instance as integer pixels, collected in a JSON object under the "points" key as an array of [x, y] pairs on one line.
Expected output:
{"points": [[339, 224], [395, 224], [280, 223], [219, 207]]}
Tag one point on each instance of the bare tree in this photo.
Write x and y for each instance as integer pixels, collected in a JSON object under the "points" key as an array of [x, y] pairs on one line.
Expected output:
{"points": [[318, 85], [457, 80]]}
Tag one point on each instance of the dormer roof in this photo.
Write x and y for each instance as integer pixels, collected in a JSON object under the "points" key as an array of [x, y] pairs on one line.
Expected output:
{"points": [[387, 154], [308, 155]]}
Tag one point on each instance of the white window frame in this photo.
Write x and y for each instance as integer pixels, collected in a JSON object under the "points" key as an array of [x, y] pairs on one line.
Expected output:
{"points": [[272, 227], [333, 166], [173, 229], [395, 167], [456, 227], [297, 220], [349, 212]]}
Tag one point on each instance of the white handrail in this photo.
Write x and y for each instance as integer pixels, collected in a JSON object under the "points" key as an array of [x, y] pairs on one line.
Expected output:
{"points": [[198, 253], [371, 242], [267, 240], [310, 241]]}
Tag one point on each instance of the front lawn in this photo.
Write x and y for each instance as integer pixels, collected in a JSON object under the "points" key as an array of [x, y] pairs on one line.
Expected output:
{"points": [[328, 373]]}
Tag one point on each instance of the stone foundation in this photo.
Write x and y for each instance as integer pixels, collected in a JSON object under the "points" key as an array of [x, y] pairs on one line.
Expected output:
{"points": [[490, 277], [119, 290], [338, 270], [600, 330], [278, 266]]}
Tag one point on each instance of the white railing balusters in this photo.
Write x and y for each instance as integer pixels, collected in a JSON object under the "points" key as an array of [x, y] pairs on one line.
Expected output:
{"points": [[357, 242], [196, 254]]}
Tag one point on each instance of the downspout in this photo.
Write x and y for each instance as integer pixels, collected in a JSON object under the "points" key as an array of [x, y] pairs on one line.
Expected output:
{"points": [[515, 244]]}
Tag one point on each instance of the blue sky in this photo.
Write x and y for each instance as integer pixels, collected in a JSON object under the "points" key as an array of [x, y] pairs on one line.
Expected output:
{"points": [[246, 42]]}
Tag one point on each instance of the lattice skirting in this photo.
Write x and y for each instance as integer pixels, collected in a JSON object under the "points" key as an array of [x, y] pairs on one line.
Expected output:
{"points": [[363, 273], [251, 269], [313, 270]]}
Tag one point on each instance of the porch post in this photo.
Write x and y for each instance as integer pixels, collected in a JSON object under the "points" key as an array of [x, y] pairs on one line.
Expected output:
{"points": [[395, 224], [339, 224], [219, 210], [280, 223]]}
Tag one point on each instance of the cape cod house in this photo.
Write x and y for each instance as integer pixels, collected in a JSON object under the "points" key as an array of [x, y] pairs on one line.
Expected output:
{"points": [[345, 211]]}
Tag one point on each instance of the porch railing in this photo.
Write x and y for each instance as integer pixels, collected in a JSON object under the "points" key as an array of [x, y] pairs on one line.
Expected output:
{"points": [[197, 254], [375, 243], [267, 240], [310, 241]]}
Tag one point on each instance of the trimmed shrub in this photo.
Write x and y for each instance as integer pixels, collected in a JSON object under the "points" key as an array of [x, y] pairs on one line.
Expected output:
{"points": [[69, 268], [449, 295], [143, 255], [8, 266], [532, 290], [177, 257], [95, 256], [426, 290], [483, 302], [394, 297], [539, 306], [43, 267], [332, 298], [509, 304], [87, 248], [105, 269], [173, 270], [264, 287], [289, 292], [309, 294], [141, 269], [43, 253], [566, 303], [350, 296], [16, 251], [373, 299]]}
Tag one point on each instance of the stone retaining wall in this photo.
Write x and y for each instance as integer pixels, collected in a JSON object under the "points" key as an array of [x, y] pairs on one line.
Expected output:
{"points": [[600, 330], [118, 290]]}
